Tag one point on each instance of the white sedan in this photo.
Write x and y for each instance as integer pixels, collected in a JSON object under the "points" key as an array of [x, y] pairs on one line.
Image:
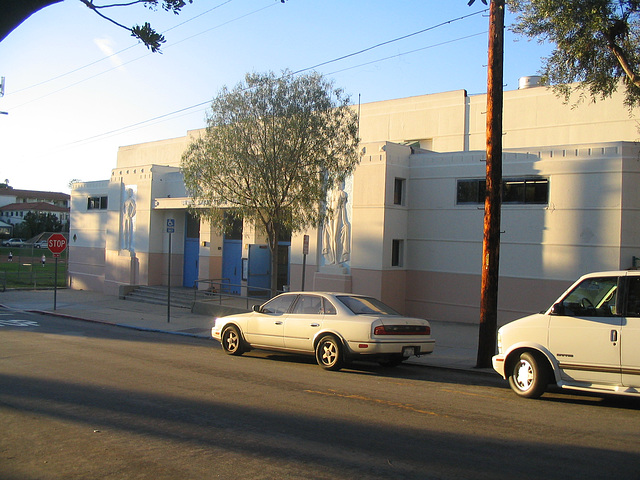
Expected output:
{"points": [[336, 327], [587, 340]]}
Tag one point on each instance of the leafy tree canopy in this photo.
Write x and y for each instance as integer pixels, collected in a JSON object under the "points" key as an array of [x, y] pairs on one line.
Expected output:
{"points": [[597, 42], [14, 12], [273, 148], [35, 223]]}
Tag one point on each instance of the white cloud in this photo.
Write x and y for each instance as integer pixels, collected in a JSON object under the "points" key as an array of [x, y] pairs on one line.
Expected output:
{"points": [[106, 46]]}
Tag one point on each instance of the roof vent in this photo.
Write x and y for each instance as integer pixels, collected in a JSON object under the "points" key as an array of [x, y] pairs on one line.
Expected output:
{"points": [[529, 82]]}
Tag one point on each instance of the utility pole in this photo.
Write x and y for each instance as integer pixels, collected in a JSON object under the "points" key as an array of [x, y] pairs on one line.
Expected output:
{"points": [[493, 195]]}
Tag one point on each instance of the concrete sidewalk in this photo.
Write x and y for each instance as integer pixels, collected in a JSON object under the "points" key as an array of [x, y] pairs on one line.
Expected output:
{"points": [[456, 343]]}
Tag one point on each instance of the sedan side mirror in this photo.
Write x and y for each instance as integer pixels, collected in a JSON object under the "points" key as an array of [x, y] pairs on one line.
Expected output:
{"points": [[557, 309], [256, 308]]}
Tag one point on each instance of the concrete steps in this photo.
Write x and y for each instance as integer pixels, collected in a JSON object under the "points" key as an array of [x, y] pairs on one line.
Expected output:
{"points": [[180, 297]]}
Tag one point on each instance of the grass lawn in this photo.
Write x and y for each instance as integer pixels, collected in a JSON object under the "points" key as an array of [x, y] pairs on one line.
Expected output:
{"points": [[25, 269]]}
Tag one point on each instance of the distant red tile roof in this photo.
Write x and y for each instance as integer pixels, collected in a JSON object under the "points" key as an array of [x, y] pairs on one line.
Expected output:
{"points": [[13, 192], [33, 207]]}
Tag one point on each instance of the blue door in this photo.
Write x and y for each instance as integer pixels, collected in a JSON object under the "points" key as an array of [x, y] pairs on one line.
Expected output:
{"points": [[259, 271], [231, 266], [191, 251], [191, 254]]}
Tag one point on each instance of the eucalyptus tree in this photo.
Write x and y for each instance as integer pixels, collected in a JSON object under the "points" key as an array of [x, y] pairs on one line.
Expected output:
{"points": [[274, 146], [597, 43], [14, 12]]}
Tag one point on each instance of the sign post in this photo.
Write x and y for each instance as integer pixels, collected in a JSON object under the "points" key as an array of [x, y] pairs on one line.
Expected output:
{"points": [[305, 251], [57, 244], [171, 224]]}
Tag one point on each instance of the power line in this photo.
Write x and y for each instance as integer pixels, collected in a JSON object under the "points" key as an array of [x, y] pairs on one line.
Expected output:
{"points": [[448, 22], [408, 52], [163, 116], [113, 55], [133, 125], [137, 58]]}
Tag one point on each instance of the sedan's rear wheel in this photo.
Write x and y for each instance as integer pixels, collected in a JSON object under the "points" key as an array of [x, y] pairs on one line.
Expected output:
{"points": [[528, 377], [231, 341], [329, 353]]}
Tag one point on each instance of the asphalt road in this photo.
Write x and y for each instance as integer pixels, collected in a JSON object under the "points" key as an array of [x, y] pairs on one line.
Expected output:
{"points": [[81, 400]]}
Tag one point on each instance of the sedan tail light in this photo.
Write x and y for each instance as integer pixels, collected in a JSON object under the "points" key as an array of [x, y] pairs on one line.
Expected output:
{"points": [[402, 330]]}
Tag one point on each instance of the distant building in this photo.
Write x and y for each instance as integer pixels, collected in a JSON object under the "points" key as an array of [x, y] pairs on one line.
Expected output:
{"points": [[15, 204], [410, 229], [5, 229]]}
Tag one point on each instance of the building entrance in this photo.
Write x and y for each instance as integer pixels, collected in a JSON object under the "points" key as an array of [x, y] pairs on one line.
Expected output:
{"points": [[191, 250]]}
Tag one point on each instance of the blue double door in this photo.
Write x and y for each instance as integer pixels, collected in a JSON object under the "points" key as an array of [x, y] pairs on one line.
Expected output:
{"points": [[257, 271], [191, 251]]}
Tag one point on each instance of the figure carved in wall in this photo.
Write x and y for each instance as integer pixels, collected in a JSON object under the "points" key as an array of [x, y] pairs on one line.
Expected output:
{"points": [[128, 219], [336, 238]]}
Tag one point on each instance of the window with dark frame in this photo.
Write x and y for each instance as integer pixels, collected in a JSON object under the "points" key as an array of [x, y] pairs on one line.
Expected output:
{"points": [[534, 191], [97, 203], [398, 191], [397, 252]]}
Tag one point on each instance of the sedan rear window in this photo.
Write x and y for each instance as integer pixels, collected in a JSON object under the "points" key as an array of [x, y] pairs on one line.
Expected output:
{"points": [[366, 305]]}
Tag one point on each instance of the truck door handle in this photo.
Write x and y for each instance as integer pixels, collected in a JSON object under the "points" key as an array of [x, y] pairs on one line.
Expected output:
{"points": [[614, 336], [278, 322]]}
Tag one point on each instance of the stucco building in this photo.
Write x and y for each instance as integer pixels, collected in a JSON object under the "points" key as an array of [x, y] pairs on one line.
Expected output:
{"points": [[16, 203], [410, 230]]}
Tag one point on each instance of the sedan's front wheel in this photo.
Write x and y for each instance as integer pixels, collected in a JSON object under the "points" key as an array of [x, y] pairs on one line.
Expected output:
{"points": [[329, 353], [231, 341], [528, 377]]}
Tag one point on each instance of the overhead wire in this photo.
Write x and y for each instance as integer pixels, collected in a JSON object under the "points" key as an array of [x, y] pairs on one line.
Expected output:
{"points": [[337, 59], [140, 57], [377, 60], [62, 75], [161, 118], [187, 110]]}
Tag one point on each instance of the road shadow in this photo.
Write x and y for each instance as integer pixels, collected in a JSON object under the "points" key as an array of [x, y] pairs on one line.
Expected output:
{"points": [[297, 445]]}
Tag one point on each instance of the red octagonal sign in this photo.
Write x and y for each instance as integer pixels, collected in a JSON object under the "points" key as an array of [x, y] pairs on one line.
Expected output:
{"points": [[57, 243]]}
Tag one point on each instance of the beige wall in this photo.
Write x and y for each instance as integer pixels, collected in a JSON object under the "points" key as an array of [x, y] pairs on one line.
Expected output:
{"points": [[440, 117], [163, 152], [456, 297], [87, 236], [532, 117], [591, 221]]}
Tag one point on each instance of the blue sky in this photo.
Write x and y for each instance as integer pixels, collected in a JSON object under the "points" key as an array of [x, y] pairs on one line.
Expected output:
{"points": [[77, 86]]}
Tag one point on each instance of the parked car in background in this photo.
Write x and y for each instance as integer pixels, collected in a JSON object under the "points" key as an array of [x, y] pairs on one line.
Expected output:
{"points": [[13, 242], [335, 327], [41, 244], [588, 340]]}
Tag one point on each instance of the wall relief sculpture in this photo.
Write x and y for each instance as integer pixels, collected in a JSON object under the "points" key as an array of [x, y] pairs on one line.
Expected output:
{"points": [[336, 237]]}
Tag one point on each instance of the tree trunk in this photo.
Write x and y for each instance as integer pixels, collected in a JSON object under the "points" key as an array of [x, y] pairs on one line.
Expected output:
{"points": [[273, 234], [14, 12], [491, 241], [274, 270]]}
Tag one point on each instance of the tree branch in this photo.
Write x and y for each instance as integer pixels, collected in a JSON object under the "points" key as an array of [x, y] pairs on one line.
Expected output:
{"points": [[16, 12], [89, 4], [134, 2], [624, 62]]}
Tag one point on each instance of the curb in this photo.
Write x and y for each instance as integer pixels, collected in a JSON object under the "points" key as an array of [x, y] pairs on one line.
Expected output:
{"points": [[121, 325]]}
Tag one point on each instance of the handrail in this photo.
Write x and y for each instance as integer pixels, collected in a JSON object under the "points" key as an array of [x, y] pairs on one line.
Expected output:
{"points": [[224, 284]]}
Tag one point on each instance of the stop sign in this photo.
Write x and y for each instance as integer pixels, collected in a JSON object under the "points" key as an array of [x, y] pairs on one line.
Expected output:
{"points": [[57, 243]]}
